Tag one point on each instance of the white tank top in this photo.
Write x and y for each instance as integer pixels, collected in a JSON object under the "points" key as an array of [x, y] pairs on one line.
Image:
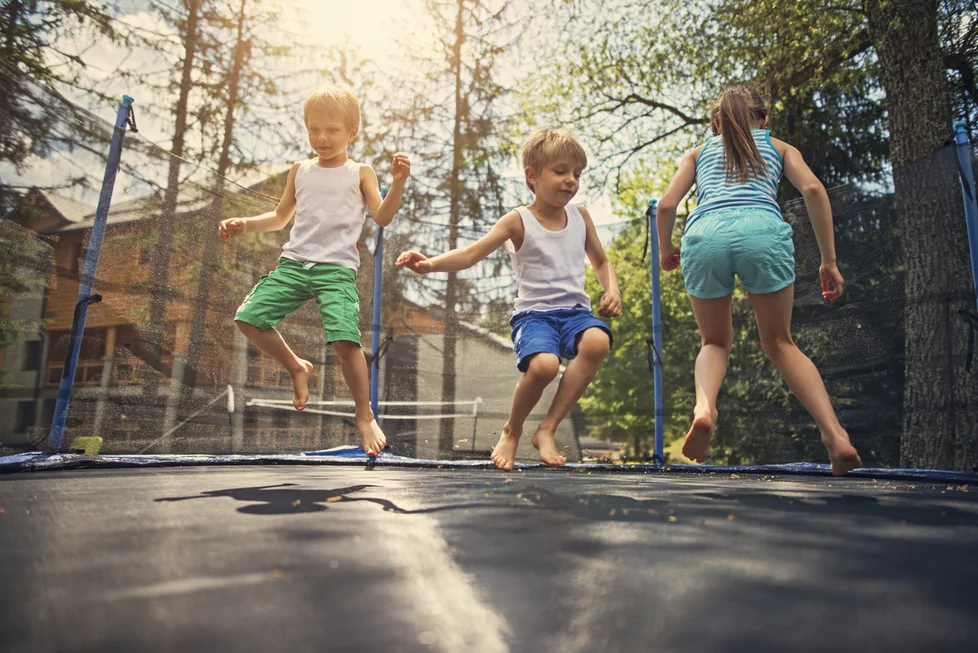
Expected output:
{"points": [[550, 264], [329, 214]]}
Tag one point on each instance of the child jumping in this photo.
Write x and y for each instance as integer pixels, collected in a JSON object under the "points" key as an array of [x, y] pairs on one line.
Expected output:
{"points": [[329, 195], [737, 229], [547, 242]]}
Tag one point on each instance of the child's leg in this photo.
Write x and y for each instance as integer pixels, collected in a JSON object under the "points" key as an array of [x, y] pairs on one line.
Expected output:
{"points": [[270, 342], [773, 314], [592, 348], [543, 368], [354, 367], [715, 323]]}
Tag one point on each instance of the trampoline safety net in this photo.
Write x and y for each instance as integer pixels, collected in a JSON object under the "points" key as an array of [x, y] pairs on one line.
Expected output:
{"points": [[162, 367]]}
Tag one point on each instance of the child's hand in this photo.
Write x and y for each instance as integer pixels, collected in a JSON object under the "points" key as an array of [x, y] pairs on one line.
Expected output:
{"points": [[230, 228], [610, 305], [401, 167], [415, 261], [832, 281], [669, 258]]}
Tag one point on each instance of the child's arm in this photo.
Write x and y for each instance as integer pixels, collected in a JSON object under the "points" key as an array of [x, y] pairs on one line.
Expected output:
{"points": [[271, 221], [508, 227], [383, 208], [610, 305], [665, 220], [820, 213]]}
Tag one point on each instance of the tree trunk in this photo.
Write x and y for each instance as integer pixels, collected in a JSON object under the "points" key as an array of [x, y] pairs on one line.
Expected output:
{"points": [[161, 260], [214, 215], [7, 97], [941, 399], [446, 433]]}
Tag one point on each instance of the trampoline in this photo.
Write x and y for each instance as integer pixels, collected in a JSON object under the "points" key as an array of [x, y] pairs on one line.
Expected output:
{"points": [[341, 557], [206, 515]]}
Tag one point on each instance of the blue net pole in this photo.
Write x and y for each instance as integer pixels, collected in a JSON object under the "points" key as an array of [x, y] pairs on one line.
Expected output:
{"points": [[85, 296], [969, 193], [375, 324], [656, 332]]}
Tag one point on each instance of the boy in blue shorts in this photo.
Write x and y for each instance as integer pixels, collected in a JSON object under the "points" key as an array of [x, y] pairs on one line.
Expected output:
{"points": [[547, 242], [329, 195]]}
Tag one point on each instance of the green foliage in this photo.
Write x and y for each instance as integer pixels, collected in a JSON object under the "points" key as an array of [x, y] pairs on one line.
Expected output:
{"points": [[646, 74], [24, 266], [28, 58], [32, 124]]}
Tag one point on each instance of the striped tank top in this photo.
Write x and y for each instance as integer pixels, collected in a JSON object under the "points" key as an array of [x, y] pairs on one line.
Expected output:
{"points": [[714, 191]]}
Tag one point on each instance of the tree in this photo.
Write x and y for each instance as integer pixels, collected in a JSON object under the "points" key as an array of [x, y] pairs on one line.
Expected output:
{"points": [[30, 57], [188, 26], [24, 268], [33, 123], [941, 399], [229, 88], [959, 43], [647, 79], [459, 148], [645, 75]]}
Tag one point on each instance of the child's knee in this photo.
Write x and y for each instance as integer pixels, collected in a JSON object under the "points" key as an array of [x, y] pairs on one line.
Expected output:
{"points": [[595, 344], [775, 346], [721, 340], [346, 348], [543, 367]]}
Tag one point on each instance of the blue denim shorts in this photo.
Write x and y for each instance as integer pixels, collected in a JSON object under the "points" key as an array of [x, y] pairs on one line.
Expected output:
{"points": [[551, 332], [753, 244]]}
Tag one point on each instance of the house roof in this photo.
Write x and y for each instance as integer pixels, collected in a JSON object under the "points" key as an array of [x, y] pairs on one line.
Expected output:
{"points": [[191, 197], [69, 209], [487, 335], [433, 313]]}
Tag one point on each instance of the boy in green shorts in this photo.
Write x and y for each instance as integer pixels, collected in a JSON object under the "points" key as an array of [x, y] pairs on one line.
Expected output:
{"points": [[329, 195]]}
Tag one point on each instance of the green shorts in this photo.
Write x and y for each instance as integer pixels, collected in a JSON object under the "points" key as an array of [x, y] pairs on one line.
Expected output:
{"points": [[753, 244], [290, 285]]}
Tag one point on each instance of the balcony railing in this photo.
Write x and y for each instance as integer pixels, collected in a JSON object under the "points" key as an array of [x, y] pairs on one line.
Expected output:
{"points": [[87, 373]]}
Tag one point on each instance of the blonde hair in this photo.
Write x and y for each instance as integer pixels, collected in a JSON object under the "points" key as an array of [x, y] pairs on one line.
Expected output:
{"points": [[731, 118], [545, 146], [335, 100]]}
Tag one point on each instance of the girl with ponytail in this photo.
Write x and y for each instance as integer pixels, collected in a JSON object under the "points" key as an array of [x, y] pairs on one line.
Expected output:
{"points": [[737, 230]]}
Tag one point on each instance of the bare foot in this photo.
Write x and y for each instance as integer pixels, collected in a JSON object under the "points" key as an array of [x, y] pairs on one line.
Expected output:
{"points": [[843, 455], [372, 439], [504, 453], [697, 444], [300, 383], [545, 443]]}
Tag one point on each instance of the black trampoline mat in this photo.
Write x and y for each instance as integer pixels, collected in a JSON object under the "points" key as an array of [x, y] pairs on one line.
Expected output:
{"points": [[324, 558]]}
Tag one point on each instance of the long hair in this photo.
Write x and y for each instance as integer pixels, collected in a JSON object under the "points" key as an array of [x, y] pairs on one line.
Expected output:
{"points": [[731, 117]]}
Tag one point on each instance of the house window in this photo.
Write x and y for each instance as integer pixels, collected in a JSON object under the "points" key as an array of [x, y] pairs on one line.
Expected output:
{"points": [[77, 258], [47, 413], [32, 356], [25, 416]]}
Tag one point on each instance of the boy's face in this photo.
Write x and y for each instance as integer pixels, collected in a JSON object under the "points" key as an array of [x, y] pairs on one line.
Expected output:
{"points": [[329, 136], [558, 182]]}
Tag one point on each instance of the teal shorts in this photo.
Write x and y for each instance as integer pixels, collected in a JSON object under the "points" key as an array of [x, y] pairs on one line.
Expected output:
{"points": [[753, 244], [290, 285]]}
